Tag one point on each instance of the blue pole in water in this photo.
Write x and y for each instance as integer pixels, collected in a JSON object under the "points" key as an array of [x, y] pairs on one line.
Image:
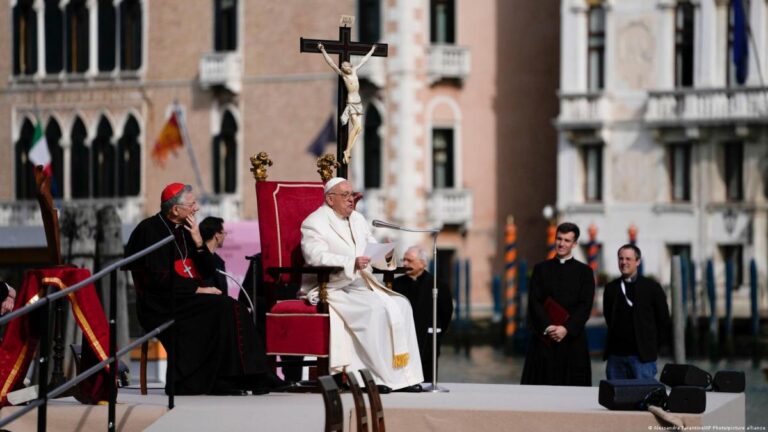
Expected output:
{"points": [[684, 280], [522, 294], [755, 317], [729, 299], [497, 309], [467, 289], [457, 279], [712, 297], [692, 285]]}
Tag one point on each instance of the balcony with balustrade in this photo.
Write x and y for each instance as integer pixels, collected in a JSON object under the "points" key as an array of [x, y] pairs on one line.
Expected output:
{"points": [[222, 69], [703, 107], [450, 207], [582, 110], [448, 62]]}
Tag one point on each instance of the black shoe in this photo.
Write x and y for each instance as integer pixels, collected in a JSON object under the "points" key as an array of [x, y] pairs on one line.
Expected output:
{"points": [[384, 389], [257, 391], [273, 383], [223, 388], [416, 388]]}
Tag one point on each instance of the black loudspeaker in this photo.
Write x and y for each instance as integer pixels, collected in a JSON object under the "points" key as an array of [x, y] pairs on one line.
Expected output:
{"points": [[675, 375], [687, 399], [627, 394], [729, 381]]}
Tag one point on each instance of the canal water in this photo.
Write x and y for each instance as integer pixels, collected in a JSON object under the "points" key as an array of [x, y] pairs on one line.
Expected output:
{"points": [[485, 364]]}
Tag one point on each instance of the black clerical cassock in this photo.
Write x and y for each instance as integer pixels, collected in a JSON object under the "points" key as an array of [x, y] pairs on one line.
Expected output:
{"points": [[217, 346], [571, 284]]}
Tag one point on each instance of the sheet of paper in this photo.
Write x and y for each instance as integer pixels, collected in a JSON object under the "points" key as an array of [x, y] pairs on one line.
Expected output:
{"points": [[377, 252]]}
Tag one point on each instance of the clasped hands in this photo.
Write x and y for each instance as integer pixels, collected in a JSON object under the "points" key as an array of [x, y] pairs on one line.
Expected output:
{"points": [[555, 332]]}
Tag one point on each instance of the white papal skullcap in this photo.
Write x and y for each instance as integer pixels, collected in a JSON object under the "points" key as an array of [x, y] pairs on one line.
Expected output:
{"points": [[333, 182]]}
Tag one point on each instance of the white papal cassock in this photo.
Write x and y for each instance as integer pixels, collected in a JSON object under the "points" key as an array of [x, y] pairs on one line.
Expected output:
{"points": [[371, 326]]}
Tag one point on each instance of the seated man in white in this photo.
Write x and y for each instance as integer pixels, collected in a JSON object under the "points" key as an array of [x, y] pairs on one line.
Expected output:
{"points": [[371, 326]]}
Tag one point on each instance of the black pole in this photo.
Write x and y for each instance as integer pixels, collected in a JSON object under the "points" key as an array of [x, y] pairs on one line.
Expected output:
{"points": [[341, 102], [42, 411], [112, 350], [57, 374], [170, 375]]}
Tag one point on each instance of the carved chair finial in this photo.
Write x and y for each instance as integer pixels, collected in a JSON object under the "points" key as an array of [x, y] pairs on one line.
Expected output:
{"points": [[259, 164], [326, 164]]}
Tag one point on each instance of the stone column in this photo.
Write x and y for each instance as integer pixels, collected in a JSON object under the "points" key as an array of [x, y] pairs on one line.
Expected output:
{"points": [[408, 141], [40, 16], [665, 71], [93, 38]]}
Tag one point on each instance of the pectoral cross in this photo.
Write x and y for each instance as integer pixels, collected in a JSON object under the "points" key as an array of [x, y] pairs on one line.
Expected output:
{"points": [[187, 269]]}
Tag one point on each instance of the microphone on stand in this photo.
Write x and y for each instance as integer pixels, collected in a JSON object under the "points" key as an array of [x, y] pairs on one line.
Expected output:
{"points": [[247, 297], [389, 225], [431, 387]]}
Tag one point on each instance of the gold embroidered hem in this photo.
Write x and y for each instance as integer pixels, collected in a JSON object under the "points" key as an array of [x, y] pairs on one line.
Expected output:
{"points": [[400, 360]]}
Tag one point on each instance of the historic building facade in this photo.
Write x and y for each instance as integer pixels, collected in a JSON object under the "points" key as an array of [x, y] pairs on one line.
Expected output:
{"points": [[658, 130], [453, 118]]}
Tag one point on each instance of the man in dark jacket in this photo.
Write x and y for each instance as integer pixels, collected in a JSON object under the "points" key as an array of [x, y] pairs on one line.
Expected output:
{"points": [[417, 286], [637, 316]]}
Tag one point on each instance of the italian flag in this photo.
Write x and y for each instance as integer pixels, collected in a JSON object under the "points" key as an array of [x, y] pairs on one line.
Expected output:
{"points": [[38, 153]]}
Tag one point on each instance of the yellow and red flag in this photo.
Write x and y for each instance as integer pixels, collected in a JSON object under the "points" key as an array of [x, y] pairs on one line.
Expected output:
{"points": [[168, 141]]}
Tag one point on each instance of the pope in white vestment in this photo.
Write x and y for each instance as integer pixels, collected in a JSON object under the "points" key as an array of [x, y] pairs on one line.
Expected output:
{"points": [[371, 326]]}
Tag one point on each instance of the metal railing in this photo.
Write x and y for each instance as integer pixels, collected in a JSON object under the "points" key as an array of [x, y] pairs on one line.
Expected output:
{"points": [[41, 403]]}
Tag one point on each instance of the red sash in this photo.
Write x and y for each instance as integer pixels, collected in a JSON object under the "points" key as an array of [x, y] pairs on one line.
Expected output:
{"points": [[21, 336]]}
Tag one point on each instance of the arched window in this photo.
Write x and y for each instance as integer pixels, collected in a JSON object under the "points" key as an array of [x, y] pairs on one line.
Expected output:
{"points": [[129, 160], [130, 35], [25, 178], [77, 36], [225, 25], [442, 158], [103, 161], [54, 37], [107, 39], [53, 137], [372, 148], [225, 156], [24, 38], [81, 157]]}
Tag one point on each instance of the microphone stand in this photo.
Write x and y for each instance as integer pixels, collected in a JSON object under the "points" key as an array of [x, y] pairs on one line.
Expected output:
{"points": [[430, 387], [247, 297]]}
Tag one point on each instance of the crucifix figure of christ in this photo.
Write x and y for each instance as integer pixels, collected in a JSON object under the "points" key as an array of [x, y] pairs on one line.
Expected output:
{"points": [[348, 86]]}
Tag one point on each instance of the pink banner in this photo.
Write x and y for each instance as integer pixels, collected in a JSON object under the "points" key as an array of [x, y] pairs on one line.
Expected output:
{"points": [[242, 240]]}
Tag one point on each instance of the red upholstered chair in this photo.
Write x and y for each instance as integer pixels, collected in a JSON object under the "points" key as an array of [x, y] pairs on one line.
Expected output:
{"points": [[293, 327]]}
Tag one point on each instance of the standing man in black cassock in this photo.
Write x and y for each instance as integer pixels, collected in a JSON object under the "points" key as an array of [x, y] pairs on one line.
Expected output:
{"points": [[558, 354], [217, 350], [416, 286]]}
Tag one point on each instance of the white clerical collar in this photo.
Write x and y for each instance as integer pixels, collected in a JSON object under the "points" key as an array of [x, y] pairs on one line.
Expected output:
{"points": [[630, 279], [563, 260]]}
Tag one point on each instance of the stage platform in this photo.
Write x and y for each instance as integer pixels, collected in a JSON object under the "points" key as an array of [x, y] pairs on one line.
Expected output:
{"points": [[467, 407]]}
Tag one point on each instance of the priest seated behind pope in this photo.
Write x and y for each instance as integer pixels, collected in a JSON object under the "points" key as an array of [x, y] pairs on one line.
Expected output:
{"points": [[371, 326]]}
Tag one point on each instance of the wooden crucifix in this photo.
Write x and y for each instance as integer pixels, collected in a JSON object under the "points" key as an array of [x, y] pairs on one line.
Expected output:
{"points": [[349, 109]]}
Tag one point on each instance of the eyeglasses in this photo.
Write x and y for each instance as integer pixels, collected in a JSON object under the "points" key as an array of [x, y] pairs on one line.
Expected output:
{"points": [[192, 204], [343, 195]]}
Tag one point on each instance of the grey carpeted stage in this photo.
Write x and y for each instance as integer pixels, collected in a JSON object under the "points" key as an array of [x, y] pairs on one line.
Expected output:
{"points": [[468, 407]]}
